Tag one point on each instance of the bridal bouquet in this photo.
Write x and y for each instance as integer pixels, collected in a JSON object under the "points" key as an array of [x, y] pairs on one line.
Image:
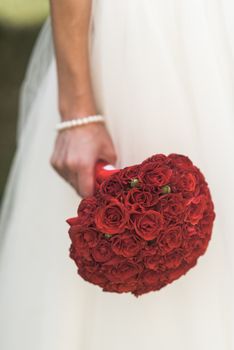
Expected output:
{"points": [[145, 226]]}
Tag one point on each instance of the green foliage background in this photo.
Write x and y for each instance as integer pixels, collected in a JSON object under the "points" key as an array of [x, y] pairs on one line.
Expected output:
{"points": [[23, 12], [20, 22]]}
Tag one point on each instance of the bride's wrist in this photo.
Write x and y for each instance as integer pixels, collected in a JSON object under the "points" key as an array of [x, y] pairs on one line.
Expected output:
{"points": [[76, 112], [79, 108], [77, 122]]}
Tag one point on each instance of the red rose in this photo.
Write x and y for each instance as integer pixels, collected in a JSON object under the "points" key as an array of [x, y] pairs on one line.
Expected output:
{"points": [[180, 161], [85, 212], [199, 176], [190, 230], [77, 238], [111, 186], [125, 271], [125, 287], [153, 189], [206, 222], [90, 266], [172, 206], [194, 247], [91, 237], [151, 248], [95, 278], [173, 259], [143, 288], [74, 221], [158, 159], [98, 279], [196, 207], [150, 278], [153, 262], [78, 222], [128, 173], [151, 173], [102, 251], [75, 229], [179, 271], [148, 225], [187, 182], [112, 218], [126, 244], [135, 209], [88, 236], [141, 197], [87, 206], [72, 253], [170, 239], [80, 247]]}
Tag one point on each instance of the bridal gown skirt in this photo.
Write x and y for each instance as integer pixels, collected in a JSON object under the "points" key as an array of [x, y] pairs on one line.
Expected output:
{"points": [[162, 74]]}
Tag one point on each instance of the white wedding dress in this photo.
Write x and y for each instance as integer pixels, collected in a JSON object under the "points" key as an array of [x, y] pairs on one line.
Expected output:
{"points": [[163, 76]]}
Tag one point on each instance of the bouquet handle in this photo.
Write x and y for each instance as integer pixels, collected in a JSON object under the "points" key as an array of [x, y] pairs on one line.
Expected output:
{"points": [[103, 170]]}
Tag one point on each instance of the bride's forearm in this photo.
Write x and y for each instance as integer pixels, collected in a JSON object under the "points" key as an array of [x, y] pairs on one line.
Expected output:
{"points": [[70, 21]]}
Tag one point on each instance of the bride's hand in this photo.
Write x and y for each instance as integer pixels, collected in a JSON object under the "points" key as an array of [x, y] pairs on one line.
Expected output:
{"points": [[76, 152]]}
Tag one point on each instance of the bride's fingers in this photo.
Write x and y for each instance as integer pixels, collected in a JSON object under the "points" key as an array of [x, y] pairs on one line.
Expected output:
{"points": [[76, 152], [58, 157], [82, 179], [85, 180], [72, 180], [77, 183]]}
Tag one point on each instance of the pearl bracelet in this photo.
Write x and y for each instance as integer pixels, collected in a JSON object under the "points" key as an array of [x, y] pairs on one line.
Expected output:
{"points": [[67, 124]]}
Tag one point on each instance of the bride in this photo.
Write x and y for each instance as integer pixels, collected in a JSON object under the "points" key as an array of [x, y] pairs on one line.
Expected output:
{"points": [[160, 75]]}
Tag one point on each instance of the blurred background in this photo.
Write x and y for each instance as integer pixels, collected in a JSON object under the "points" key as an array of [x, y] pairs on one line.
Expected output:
{"points": [[20, 22]]}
